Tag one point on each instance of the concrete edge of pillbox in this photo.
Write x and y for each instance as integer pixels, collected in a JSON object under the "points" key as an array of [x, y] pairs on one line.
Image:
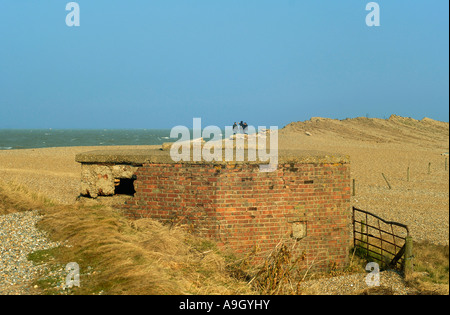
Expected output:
{"points": [[149, 156]]}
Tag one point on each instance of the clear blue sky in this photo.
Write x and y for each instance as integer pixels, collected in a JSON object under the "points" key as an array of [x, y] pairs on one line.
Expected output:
{"points": [[159, 63]]}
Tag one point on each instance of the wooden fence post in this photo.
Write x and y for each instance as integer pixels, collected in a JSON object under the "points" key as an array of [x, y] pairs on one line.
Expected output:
{"points": [[389, 185], [407, 174], [354, 188], [409, 267]]}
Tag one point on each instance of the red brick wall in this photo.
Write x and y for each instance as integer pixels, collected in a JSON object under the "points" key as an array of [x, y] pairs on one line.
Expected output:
{"points": [[241, 208]]}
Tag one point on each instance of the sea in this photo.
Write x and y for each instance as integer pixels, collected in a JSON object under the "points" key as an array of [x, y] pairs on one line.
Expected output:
{"points": [[11, 139]]}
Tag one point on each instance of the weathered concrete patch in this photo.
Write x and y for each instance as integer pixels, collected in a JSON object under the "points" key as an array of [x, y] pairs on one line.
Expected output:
{"points": [[101, 180]]}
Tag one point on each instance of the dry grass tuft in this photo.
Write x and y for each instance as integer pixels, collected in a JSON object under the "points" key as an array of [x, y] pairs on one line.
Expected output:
{"points": [[280, 273], [15, 197]]}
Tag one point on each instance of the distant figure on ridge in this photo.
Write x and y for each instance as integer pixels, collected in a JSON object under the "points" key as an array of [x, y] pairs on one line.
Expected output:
{"points": [[244, 126]]}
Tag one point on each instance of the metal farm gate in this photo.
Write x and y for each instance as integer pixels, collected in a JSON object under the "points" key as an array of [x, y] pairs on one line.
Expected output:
{"points": [[386, 242]]}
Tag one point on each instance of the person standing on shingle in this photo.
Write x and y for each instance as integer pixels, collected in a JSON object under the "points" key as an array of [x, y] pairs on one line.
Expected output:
{"points": [[235, 128], [244, 126]]}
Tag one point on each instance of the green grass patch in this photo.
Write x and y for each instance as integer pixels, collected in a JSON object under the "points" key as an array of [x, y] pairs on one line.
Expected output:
{"points": [[431, 268], [40, 257]]}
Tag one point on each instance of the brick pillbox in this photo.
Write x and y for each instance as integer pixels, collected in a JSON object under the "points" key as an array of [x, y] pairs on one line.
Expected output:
{"points": [[306, 200]]}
